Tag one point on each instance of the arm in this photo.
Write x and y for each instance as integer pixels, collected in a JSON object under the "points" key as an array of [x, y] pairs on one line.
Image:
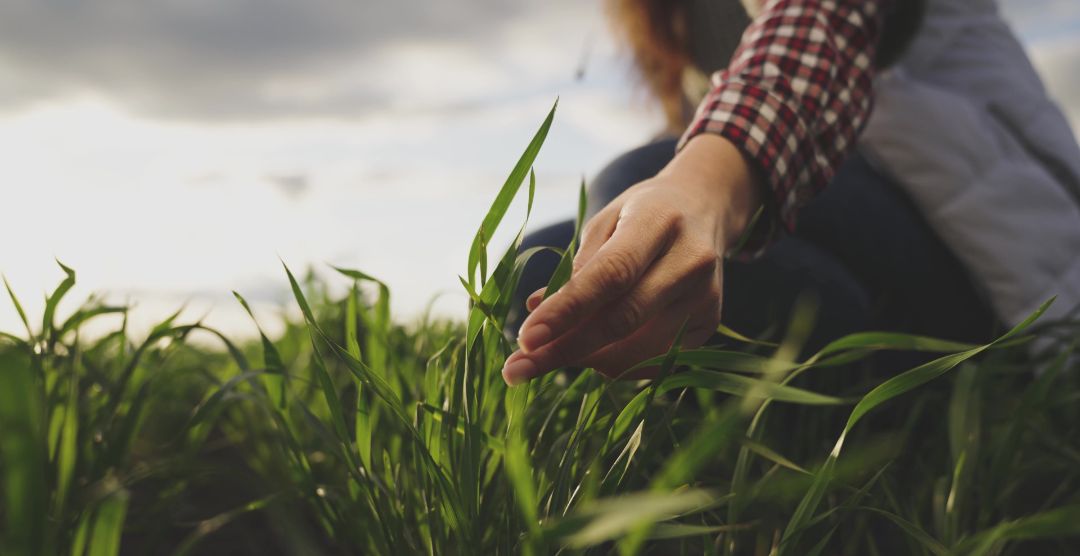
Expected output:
{"points": [[776, 126], [796, 95]]}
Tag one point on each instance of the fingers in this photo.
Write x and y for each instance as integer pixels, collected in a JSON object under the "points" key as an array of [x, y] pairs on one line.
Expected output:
{"points": [[534, 299], [615, 269], [596, 232], [655, 338], [672, 277], [700, 312], [652, 340]]}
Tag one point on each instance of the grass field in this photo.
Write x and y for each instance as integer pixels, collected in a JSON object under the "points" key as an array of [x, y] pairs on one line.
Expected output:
{"points": [[351, 433]]}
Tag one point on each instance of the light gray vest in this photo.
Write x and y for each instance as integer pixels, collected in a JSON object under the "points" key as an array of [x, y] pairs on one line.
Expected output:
{"points": [[965, 126]]}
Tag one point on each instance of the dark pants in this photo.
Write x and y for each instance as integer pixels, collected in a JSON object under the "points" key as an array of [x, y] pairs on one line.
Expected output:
{"points": [[861, 248]]}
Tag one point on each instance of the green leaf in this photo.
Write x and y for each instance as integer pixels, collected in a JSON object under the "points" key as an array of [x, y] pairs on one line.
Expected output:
{"points": [[611, 518], [506, 195], [19, 309], [738, 385], [108, 525], [773, 456], [723, 330], [68, 450], [276, 381], [735, 361], [53, 300], [1057, 523], [22, 455], [74, 321], [519, 473], [888, 390], [322, 375], [209, 526]]}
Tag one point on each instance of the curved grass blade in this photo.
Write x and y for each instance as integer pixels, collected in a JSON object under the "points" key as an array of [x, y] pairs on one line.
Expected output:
{"points": [[739, 385], [520, 474], [566, 263], [19, 310], [209, 526], [727, 332], [884, 392], [79, 317], [611, 518], [275, 381], [108, 525], [53, 300], [506, 196], [1057, 523]]}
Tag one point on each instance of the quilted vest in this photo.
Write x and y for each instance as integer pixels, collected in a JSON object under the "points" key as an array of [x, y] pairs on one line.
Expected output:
{"points": [[965, 126]]}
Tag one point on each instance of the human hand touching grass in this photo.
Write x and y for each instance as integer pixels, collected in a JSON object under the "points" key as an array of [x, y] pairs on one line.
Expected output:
{"points": [[648, 262]]}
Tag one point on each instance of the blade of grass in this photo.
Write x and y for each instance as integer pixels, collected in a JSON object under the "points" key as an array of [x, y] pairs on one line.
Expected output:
{"points": [[108, 525], [53, 300], [1057, 523], [22, 455], [886, 391], [506, 196], [19, 310]]}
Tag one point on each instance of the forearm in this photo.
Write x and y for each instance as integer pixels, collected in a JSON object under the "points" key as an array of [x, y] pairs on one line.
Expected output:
{"points": [[796, 95]]}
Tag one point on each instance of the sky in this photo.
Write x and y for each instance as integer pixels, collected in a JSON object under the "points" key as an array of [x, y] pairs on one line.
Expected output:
{"points": [[174, 150]]}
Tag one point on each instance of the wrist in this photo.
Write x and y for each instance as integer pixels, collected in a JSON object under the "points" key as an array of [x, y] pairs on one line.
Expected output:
{"points": [[724, 179]]}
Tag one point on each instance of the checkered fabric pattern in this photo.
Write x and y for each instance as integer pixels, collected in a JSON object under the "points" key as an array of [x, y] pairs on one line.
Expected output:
{"points": [[795, 97]]}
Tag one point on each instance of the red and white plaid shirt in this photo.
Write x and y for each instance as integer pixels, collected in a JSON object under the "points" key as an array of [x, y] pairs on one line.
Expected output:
{"points": [[795, 97]]}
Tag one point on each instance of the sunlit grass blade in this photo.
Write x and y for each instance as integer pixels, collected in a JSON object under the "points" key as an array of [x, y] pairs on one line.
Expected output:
{"points": [[54, 299], [506, 195], [82, 316], [727, 332], [609, 519], [19, 309], [565, 268], [773, 456], [275, 380], [739, 385], [108, 525]]}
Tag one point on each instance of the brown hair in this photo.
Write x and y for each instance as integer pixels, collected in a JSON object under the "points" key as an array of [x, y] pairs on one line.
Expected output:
{"points": [[655, 32]]}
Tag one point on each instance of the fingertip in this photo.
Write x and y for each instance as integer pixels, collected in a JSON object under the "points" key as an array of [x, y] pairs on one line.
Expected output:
{"points": [[535, 299], [533, 336], [518, 369]]}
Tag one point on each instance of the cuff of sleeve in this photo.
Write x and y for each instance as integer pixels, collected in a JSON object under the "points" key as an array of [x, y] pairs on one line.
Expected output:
{"points": [[762, 127]]}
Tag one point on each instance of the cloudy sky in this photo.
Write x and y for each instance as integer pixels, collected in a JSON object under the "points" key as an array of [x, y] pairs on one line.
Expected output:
{"points": [[173, 150]]}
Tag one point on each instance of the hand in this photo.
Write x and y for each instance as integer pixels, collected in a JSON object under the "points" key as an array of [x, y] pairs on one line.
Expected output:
{"points": [[648, 262]]}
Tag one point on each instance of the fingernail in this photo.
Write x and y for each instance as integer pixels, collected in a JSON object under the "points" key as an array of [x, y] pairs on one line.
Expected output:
{"points": [[518, 371], [534, 336]]}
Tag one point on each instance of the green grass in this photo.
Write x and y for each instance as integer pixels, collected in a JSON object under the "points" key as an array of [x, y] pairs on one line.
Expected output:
{"points": [[353, 434]]}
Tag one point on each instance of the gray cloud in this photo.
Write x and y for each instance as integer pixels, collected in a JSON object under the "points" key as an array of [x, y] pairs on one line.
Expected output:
{"points": [[211, 59]]}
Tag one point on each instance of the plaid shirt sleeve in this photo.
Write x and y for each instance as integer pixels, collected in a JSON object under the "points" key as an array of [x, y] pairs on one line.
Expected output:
{"points": [[796, 95]]}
